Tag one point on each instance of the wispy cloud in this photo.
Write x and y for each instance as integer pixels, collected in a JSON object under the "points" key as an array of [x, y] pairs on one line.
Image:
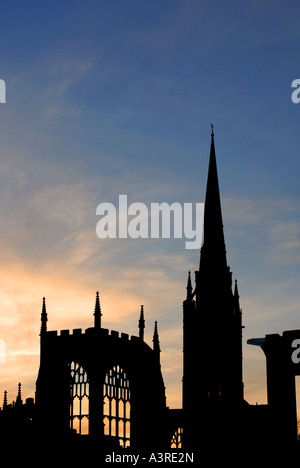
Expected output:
{"points": [[272, 224]]}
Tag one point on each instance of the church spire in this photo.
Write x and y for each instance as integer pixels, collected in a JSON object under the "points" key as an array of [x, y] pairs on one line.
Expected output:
{"points": [[213, 250], [44, 318], [141, 323], [212, 338], [97, 313], [213, 280]]}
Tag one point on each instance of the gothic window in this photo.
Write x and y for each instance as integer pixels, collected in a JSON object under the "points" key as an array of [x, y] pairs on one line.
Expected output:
{"points": [[79, 398], [116, 410], [176, 441]]}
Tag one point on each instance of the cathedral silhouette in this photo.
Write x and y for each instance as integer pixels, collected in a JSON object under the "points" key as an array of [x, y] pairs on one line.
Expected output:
{"points": [[105, 389]]}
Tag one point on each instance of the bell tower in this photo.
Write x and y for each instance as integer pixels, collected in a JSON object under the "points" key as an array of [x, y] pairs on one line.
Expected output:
{"points": [[212, 322]]}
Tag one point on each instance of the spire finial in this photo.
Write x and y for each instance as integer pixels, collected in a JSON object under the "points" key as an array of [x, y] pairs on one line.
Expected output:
{"points": [[212, 129], [5, 399], [97, 313], [189, 288], [19, 396], [236, 292], [44, 318], [141, 323]]}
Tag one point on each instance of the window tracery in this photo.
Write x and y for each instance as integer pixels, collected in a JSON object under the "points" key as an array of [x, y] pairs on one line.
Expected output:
{"points": [[176, 441], [79, 399], [116, 410]]}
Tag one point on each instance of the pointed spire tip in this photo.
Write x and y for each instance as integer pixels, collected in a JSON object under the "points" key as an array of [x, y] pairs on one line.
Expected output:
{"points": [[156, 346], [97, 312], [189, 287], [141, 323], [44, 317]]}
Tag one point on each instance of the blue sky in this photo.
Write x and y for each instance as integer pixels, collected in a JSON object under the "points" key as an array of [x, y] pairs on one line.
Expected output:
{"points": [[116, 97]]}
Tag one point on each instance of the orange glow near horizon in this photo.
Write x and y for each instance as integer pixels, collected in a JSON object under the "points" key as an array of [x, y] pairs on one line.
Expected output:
{"points": [[70, 304]]}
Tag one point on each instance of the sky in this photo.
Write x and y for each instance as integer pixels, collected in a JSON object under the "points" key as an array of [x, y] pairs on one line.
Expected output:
{"points": [[113, 97]]}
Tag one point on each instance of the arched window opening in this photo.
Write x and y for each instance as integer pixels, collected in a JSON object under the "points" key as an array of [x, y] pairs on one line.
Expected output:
{"points": [[79, 399], [176, 441], [116, 410]]}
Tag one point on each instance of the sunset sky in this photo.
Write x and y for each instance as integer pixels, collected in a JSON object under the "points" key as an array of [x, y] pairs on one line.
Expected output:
{"points": [[116, 97]]}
